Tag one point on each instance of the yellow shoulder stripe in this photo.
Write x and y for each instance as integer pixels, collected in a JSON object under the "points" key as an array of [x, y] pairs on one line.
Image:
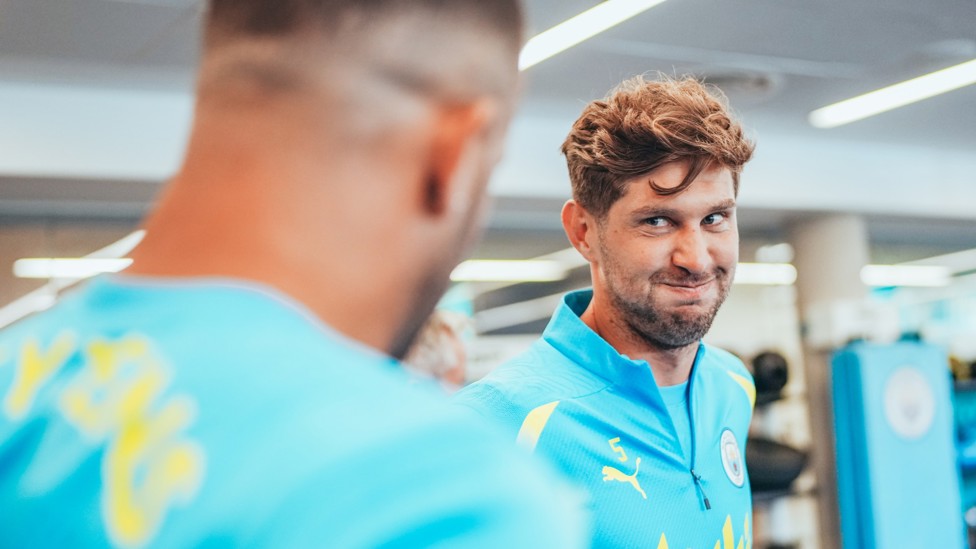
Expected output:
{"points": [[746, 385], [535, 422]]}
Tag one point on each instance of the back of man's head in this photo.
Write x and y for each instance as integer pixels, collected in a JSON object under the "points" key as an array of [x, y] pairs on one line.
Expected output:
{"points": [[356, 138], [447, 49], [230, 19], [643, 125]]}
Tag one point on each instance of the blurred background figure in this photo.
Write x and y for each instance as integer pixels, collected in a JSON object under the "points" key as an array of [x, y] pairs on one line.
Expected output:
{"points": [[439, 350]]}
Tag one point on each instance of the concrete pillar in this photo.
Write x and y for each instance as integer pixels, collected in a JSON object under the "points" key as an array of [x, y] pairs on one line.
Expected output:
{"points": [[829, 253]]}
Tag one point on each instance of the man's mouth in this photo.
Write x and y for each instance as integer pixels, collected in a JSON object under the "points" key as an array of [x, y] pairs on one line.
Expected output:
{"points": [[689, 290]]}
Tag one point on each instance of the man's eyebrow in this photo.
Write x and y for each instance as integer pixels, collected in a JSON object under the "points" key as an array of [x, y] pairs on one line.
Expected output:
{"points": [[656, 211], [724, 205], [652, 211]]}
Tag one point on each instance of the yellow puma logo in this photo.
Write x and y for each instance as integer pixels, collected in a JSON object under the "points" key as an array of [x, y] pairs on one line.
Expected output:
{"points": [[612, 473]]}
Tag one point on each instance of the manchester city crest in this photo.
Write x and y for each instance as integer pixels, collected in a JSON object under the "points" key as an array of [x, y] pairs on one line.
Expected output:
{"points": [[732, 458]]}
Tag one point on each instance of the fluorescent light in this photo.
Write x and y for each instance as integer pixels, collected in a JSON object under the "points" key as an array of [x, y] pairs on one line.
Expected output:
{"points": [[579, 28], [45, 296], [493, 270], [766, 274], [784, 274], [104, 260], [894, 96], [73, 267], [905, 275]]}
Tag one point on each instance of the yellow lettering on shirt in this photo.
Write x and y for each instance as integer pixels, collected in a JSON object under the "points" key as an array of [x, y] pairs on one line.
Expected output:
{"points": [[745, 540], [95, 399], [34, 369], [148, 465], [172, 471], [728, 536], [615, 446], [727, 533]]}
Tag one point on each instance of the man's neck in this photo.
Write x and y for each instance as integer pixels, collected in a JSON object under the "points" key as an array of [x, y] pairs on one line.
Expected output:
{"points": [[669, 366], [319, 266]]}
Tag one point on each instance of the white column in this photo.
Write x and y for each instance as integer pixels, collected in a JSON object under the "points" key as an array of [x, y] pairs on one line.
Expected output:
{"points": [[829, 253]]}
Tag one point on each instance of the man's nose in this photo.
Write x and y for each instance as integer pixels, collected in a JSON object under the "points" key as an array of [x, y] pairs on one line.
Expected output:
{"points": [[691, 252]]}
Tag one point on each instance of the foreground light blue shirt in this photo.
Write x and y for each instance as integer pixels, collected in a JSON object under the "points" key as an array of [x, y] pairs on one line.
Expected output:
{"points": [[600, 417], [149, 412]]}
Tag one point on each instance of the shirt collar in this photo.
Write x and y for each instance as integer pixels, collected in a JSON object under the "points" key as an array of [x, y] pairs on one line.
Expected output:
{"points": [[573, 338]]}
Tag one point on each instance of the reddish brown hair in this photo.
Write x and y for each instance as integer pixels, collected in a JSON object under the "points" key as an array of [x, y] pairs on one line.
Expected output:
{"points": [[643, 125]]}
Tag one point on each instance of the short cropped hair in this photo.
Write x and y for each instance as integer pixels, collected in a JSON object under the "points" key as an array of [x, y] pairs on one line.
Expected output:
{"points": [[643, 125], [229, 19], [449, 50]]}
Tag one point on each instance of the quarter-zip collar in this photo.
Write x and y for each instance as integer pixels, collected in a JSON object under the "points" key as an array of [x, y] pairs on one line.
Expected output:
{"points": [[568, 334], [572, 337]]}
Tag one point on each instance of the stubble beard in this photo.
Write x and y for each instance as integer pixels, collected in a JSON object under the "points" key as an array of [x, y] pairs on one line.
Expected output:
{"points": [[650, 321]]}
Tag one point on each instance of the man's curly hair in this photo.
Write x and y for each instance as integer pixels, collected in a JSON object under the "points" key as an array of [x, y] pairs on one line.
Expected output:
{"points": [[643, 125]]}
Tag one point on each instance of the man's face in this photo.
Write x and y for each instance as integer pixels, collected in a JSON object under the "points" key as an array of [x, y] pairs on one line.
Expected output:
{"points": [[665, 263]]}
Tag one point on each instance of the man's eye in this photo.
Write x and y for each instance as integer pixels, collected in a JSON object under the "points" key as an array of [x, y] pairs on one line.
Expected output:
{"points": [[713, 219], [656, 221]]}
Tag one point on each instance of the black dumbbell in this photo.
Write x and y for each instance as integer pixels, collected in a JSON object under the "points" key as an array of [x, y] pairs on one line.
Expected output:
{"points": [[771, 373]]}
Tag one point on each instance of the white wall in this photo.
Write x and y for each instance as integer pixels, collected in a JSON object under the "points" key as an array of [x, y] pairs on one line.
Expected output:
{"points": [[61, 131]]}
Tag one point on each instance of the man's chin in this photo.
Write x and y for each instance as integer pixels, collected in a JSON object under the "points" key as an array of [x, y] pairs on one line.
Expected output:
{"points": [[692, 319]]}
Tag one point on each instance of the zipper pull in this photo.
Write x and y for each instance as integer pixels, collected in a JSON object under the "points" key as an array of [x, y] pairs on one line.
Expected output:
{"points": [[701, 490]]}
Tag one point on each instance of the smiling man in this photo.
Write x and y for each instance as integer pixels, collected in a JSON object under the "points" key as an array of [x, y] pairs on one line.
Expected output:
{"points": [[620, 392]]}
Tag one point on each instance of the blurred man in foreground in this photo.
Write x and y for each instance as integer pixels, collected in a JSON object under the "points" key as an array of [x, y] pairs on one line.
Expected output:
{"points": [[235, 385], [620, 391]]}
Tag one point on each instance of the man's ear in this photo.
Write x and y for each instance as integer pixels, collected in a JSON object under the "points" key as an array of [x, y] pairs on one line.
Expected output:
{"points": [[581, 229], [459, 132]]}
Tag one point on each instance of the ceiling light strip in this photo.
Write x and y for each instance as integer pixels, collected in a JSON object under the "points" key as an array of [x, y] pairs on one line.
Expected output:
{"points": [[45, 296], [895, 96], [67, 267], [880, 276], [494, 270], [579, 28]]}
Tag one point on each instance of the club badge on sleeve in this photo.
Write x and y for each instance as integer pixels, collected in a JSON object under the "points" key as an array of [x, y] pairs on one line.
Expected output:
{"points": [[732, 458]]}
